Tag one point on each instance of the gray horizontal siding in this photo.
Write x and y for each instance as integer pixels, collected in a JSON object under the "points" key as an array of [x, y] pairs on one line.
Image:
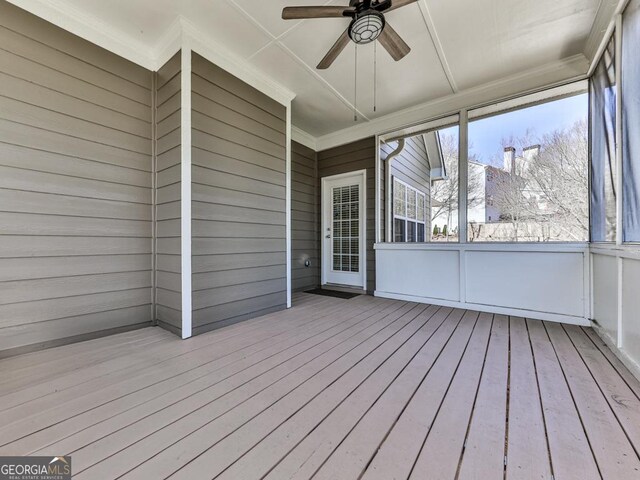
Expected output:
{"points": [[411, 166], [359, 155], [75, 187], [168, 195], [304, 218], [238, 200]]}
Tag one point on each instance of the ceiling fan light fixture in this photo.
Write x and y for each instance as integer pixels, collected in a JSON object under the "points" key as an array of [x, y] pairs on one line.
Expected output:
{"points": [[366, 27]]}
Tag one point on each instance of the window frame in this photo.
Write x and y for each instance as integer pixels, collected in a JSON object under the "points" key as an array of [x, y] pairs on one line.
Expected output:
{"points": [[521, 102], [460, 117], [405, 218]]}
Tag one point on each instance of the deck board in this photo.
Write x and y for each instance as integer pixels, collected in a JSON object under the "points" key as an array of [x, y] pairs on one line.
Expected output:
{"points": [[612, 450], [527, 448], [364, 388], [322, 423], [484, 451], [445, 438], [570, 450], [245, 362]]}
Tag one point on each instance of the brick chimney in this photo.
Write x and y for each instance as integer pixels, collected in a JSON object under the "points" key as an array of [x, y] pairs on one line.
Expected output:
{"points": [[509, 159], [531, 152]]}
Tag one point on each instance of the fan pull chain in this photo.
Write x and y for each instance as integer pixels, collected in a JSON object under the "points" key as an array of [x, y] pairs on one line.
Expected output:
{"points": [[355, 86], [375, 74]]}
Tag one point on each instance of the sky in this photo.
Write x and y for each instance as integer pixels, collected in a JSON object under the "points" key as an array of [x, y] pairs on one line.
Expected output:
{"points": [[485, 135]]}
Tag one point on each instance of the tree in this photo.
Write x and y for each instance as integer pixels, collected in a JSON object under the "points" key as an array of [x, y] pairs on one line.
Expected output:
{"points": [[561, 175], [546, 198], [444, 193]]}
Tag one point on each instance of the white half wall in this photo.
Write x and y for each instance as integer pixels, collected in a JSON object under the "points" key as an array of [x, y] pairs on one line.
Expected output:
{"points": [[616, 300], [539, 281]]}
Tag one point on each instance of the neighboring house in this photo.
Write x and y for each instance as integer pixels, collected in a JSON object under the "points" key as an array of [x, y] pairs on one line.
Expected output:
{"points": [[413, 169], [485, 184]]}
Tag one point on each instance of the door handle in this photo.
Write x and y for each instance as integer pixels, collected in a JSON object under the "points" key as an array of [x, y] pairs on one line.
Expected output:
{"points": [[328, 236]]}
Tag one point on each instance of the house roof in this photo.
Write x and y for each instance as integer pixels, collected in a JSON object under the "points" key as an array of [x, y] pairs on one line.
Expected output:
{"points": [[434, 155]]}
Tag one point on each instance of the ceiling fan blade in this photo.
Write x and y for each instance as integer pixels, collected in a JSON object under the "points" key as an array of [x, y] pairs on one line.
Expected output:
{"points": [[382, 5], [399, 3], [297, 13], [393, 43], [333, 53]]}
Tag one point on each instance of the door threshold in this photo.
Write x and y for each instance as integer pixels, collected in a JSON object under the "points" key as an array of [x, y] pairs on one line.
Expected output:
{"points": [[343, 288]]}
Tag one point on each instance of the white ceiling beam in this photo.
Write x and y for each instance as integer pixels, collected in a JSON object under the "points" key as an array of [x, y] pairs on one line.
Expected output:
{"points": [[237, 66], [437, 44], [309, 69]]}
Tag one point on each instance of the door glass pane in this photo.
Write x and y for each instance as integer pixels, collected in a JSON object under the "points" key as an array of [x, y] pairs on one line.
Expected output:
{"points": [[346, 228]]}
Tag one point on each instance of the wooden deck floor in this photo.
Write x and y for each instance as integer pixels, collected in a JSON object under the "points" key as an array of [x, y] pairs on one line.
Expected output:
{"points": [[332, 389]]}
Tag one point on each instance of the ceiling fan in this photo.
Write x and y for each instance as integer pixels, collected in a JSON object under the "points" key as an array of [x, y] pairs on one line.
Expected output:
{"points": [[367, 25]]}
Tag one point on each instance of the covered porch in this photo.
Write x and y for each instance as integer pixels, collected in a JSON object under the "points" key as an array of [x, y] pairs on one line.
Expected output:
{"points": [[336, 389]]}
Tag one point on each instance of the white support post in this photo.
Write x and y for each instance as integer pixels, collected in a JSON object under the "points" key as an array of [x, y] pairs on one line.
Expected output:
{"points": [[288, 203], [185, 189], [463, 175], [619, 183], [154, 199], [378, 236]]}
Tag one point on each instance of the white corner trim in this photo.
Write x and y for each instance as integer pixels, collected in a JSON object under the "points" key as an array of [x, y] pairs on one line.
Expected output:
{"points": [[288, 206], [218, 54], [96, 31], [602, 29], [626, 360], [168, 45], [304, 138], [90, 28], [185, 189], [552, 74]]}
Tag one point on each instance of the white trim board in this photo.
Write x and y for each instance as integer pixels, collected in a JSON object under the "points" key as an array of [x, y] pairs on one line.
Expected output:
{"points": [[602, 29], [101, 33], [363, 226], [532, 314], [104, 35], [303, 138], [90, 28], [288, 206], [626, 360], [185, 191], [219, 55], [527, 82], [549, 281]]}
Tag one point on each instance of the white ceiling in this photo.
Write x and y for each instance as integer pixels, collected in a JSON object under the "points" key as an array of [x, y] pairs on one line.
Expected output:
{"points": [[456, 45]]}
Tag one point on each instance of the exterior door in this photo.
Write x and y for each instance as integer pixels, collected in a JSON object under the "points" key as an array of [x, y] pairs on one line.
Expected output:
{"points": [[343, 229]]}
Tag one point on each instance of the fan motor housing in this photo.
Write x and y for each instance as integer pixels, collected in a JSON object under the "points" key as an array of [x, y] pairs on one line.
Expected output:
{"points": [[366, 26]]}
